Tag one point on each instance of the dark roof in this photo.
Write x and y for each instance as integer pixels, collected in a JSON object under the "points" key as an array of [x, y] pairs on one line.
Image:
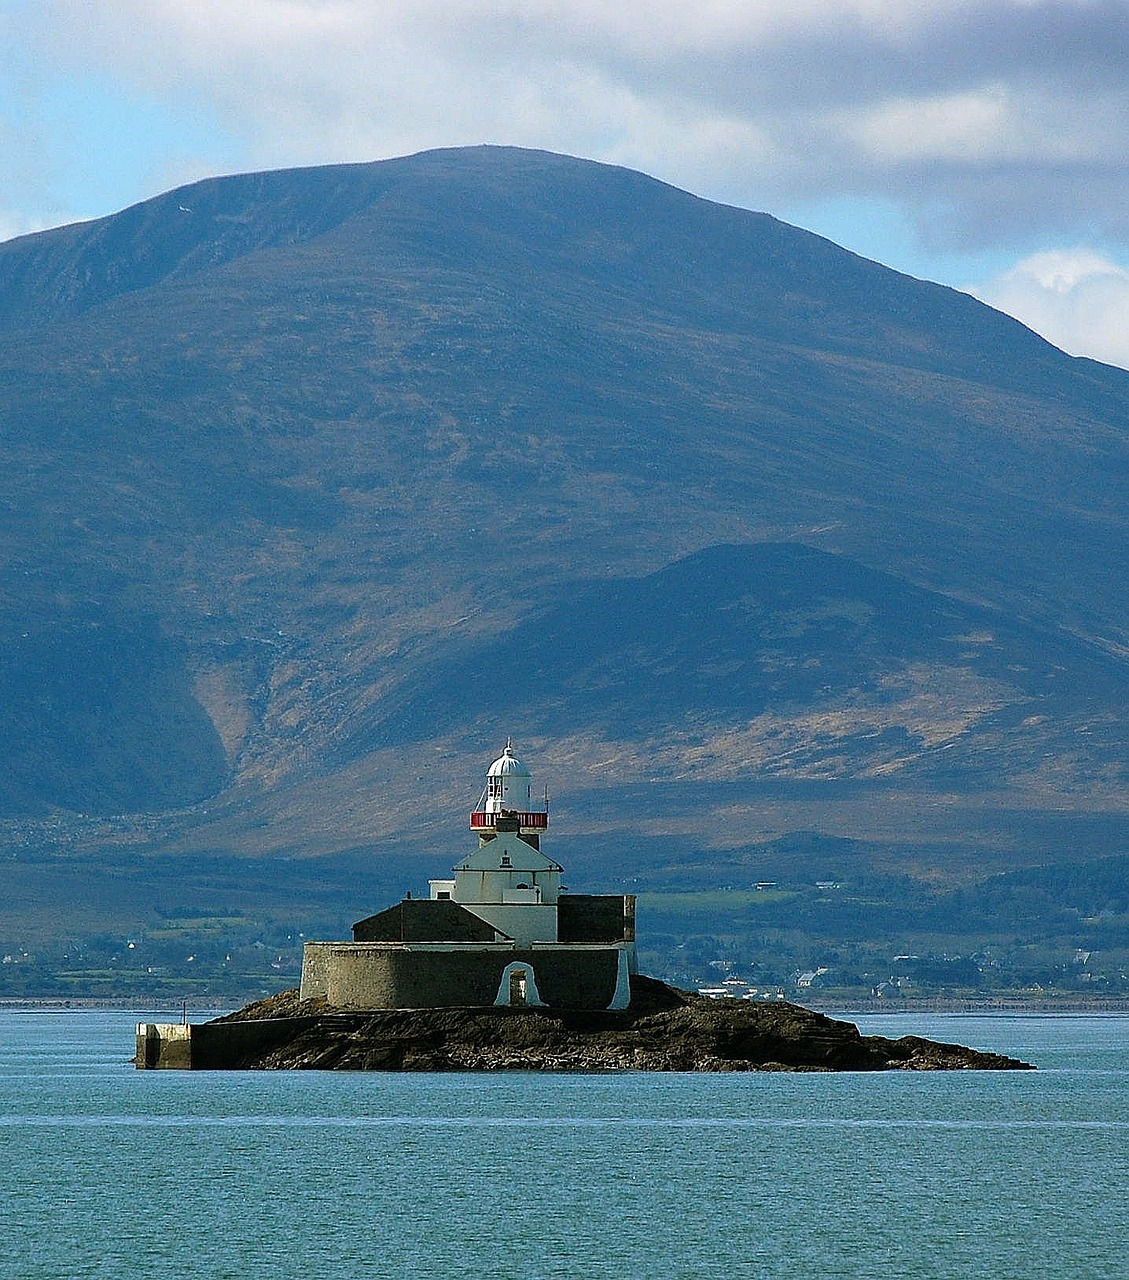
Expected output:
{"points": [[425, 920]]}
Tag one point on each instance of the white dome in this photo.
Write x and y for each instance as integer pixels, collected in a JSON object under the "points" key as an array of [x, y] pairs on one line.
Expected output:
{"points": [[509, 790], [507, 763]]}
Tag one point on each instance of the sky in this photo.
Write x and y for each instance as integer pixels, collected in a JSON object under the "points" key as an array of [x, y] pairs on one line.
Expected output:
{"points": [[983, 144]]}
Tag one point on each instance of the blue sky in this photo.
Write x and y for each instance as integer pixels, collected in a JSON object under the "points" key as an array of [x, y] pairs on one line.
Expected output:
{"points": [[981, 143]]}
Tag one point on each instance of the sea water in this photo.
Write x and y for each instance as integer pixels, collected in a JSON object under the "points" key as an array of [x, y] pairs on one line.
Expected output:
{"points": [[106, 1171]]}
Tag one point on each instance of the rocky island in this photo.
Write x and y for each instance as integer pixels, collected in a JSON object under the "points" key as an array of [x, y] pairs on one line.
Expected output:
{"points": [[501, 969], [663, 1029]]}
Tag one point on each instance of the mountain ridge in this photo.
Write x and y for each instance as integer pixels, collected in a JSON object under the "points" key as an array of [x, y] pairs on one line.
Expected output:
{"points": [[341, 194]]}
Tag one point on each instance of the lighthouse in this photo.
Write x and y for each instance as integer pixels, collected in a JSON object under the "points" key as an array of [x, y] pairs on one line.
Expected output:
{"points": [[507, 880], [501, 931], [507, 802]]}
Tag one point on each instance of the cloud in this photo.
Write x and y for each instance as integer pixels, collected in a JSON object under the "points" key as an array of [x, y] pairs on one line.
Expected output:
{"points": [[1077, 299]]}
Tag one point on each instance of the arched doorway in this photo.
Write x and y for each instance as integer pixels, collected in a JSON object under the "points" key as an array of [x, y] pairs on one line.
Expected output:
{"points": [[518, 987]]}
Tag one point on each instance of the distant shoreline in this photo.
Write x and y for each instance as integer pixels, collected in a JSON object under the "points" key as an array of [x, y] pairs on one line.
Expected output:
{"points": [[943, 1004], [175, 1010]]}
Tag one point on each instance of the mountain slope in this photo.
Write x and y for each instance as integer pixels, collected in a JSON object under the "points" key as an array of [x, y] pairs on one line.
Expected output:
{"points": [[787, 636], [378, 463]]}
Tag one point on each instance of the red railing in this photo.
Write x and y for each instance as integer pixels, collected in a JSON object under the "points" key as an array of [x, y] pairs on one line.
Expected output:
{"points": [[537, 821]]}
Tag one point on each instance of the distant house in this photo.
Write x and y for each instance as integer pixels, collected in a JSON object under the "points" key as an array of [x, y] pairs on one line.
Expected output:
{"points": [[808, 979]]}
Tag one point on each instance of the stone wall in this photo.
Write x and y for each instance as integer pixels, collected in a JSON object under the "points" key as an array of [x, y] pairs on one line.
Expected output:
{"points": [[354, 976], [163, 1044], [592, 917], [210, 1046], [315, 969]]}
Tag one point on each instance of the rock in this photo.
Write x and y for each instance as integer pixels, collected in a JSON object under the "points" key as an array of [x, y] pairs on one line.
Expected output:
{"points": [[664, 1030]]}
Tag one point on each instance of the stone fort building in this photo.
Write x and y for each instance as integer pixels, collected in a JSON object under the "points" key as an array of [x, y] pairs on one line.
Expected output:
{"points": [[502, 931]]}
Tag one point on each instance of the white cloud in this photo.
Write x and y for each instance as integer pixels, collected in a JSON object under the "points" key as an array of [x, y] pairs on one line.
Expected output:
{"points": [[991, 124], [399, 52], [1075, 298]]}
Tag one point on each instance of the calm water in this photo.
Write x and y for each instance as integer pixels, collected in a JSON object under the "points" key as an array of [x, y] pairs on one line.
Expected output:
{"points": [[110, 1172]]}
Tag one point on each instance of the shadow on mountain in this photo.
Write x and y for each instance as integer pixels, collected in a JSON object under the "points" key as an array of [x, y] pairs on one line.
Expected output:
{"points": [[100, 717], [728, 634]]}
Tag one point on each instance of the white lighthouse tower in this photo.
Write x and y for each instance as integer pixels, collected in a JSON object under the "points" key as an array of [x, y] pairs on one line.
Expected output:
{"points": [[508, 795], [508, 881]]}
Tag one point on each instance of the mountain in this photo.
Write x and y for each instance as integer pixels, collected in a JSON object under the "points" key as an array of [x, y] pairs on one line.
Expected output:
{"points": [[320, 483]]}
